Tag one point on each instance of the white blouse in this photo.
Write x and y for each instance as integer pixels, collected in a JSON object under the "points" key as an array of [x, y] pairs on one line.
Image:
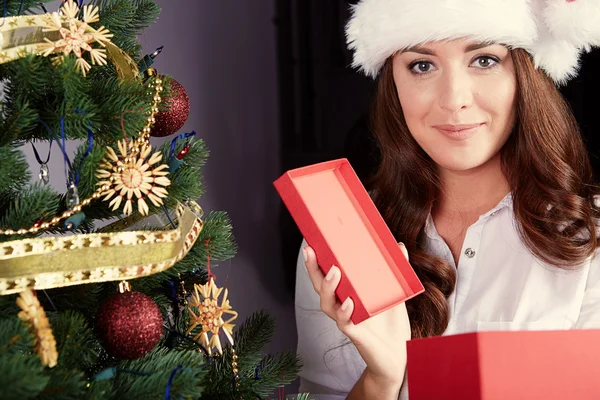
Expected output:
{"points": [[500, 286]]}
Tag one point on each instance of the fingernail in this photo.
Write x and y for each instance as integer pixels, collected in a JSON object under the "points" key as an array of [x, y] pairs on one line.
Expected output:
{"points": [[305, 254], [330, 274], [346, 304]]}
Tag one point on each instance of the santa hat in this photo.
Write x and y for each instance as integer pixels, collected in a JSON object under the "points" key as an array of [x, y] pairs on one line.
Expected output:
{"points": [[554, 32]]}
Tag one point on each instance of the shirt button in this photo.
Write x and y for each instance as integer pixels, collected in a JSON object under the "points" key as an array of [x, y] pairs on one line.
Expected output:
{"points": [[469, 252]]}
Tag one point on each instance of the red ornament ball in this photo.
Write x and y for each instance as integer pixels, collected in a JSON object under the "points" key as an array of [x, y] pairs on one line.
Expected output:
{"points": [[177, 111], [130, 325]]}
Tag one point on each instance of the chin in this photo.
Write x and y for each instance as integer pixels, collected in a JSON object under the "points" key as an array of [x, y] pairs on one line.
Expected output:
{"points": [[460, 165]]}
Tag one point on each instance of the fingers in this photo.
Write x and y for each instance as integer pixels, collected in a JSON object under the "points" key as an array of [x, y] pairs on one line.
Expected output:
{"points": [[403, 248], [314, 272], [324, 285], [329, 303], [343, 314]]}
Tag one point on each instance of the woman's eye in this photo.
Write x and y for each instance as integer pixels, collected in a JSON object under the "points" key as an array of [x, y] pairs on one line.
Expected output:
{"points": [[421, 67], [485, 62]]}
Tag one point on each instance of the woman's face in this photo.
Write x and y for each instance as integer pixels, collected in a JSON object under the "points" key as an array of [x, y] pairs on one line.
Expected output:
{"points": [[458, 99]]}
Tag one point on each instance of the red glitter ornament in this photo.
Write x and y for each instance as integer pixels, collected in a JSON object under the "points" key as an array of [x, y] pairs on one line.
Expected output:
{"points": [[172, 119], [130, 325]]}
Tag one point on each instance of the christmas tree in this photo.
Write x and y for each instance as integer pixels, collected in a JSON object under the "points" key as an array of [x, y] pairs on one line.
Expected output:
{"points": [[108, 287]]}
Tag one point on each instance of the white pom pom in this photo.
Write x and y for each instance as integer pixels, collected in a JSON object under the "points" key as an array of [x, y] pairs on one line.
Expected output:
{"points": [[558, 58], [576, 21]]}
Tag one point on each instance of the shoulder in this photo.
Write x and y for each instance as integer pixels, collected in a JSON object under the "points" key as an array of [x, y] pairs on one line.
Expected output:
{"points": [[593, 280]]}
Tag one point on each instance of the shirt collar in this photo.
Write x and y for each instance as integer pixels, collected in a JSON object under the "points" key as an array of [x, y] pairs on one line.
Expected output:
{"points": [[506, 202]]}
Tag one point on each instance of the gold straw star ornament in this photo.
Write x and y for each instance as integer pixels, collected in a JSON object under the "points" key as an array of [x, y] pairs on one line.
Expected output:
{"points": [[209, 315]]}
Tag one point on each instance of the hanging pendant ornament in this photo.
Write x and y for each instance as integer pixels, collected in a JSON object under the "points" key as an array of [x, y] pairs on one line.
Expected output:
{"points": [[177, 111], [132, 174], [208, 314], [33, 314], [44, 173], [76, 219], [72, 195], [129, 324]]}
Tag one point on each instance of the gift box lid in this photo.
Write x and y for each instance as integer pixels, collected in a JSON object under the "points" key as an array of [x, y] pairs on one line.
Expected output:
{"points": [[505, 365]]}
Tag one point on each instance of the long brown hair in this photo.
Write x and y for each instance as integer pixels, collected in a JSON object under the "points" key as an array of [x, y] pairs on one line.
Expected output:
{"points": [[544, 160]]}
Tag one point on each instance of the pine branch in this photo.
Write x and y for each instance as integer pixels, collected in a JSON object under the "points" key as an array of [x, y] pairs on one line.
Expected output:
{"points": [[21, 377], [126, 19], [27, 207], [77, 347], [160, 364], [82, 299], [250, 339], [186, 181], [8, 307], [13, 6], [64, 384], [252, 336], [275, 371], [18, 122], [15, 338], [14, 171]]}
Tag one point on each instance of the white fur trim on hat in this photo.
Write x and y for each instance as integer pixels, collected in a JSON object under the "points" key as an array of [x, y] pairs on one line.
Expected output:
{"points": [[553, 31], [577, 22]]}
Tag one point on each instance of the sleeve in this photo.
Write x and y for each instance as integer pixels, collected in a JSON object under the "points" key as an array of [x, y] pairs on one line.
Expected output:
{"points": [[332, 365], [589, 316]]}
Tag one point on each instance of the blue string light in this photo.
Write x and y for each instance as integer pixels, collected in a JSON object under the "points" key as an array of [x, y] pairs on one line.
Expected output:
{"points": [[170, 383], [173, 291], [177, 139], [87, 152]]}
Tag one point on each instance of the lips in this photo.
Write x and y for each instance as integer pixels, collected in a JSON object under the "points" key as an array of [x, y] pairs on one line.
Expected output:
{"points": [[457, 128]]}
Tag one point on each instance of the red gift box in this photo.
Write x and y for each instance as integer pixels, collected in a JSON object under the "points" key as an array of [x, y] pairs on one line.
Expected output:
{"points": [[339, 221], [547, 365]]}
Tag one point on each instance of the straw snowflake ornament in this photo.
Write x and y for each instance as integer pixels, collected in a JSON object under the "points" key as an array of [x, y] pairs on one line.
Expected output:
{"points": [[205, 301], [78, 37], [133, 174]]}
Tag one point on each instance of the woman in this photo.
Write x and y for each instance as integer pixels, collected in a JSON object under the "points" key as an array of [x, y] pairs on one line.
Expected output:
{"points": [[484, 180]]}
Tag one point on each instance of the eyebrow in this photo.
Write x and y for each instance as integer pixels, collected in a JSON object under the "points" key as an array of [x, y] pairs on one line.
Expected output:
{"points": [[469, 48]]}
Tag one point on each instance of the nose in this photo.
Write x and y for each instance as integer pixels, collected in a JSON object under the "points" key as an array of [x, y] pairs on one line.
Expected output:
{"points": [[455, 90]]}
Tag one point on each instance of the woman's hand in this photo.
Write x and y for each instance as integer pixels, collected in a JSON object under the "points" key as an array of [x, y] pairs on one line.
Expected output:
{"points": [[380, 340]]}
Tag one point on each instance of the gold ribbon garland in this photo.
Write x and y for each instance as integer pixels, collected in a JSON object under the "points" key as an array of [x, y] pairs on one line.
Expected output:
{"points": [[58, 261]]}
